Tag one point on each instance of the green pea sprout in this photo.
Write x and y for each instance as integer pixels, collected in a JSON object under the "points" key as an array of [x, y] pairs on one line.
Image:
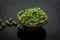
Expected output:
{"points": [[32, 16]]}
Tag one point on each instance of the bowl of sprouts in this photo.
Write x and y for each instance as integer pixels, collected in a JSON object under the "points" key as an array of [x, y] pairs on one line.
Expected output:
{"points": [[32, 18]]}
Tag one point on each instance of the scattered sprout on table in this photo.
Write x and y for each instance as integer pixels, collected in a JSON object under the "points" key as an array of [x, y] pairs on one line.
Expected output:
{"points": [[20, 26], [1, 28]]}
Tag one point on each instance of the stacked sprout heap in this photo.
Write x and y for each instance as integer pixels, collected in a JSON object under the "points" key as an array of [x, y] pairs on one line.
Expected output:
{"points": [[32, 16]]}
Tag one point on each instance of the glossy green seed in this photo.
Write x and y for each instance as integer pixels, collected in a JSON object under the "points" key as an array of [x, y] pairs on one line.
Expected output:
{"points": [[0, 21], [3, 24], [41, 21], [15, 23], [7, 22], [21, 27], [1, 28], [10, 24], [10, 19], [18, 26]]}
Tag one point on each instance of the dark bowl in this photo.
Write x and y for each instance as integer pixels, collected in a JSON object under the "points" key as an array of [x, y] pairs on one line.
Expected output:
{"points": [[31, 27]]}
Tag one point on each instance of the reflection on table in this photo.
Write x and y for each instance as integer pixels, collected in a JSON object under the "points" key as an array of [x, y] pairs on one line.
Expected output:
{"points": [[26, 34]]}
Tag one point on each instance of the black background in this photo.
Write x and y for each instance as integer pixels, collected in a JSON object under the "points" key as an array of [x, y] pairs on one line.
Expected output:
{"points": [[9, 9]]}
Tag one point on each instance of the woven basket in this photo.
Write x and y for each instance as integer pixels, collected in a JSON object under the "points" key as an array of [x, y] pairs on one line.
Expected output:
{"points": [[32, 27]]}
